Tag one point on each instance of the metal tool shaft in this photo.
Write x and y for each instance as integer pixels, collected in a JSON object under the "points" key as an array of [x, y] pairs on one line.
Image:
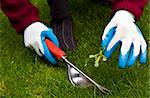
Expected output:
{"points": [[101, 88]]}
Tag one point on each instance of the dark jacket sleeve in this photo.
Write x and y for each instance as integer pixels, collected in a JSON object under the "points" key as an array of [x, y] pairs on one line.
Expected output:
{"points": [[20, 13], [134, 6]]}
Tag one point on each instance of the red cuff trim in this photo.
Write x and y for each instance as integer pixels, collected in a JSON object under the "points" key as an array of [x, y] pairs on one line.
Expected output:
{"points": [[25, 23], [134, 7]]}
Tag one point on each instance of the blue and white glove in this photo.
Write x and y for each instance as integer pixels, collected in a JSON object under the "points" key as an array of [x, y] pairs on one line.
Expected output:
{"points": [[122, 29], [34, 38]]}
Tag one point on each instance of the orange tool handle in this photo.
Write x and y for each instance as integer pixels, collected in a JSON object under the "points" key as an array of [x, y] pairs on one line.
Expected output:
{"points": [[57, 52]]}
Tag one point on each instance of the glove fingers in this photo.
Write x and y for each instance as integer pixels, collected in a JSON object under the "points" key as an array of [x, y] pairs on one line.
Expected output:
{"points": [[143, 54], [111, 46], [109, 36], [42, 50], [107, 29], [48, 54], [38, 52], [49, 34], [139, 41], [135, 50], [126, 44]]}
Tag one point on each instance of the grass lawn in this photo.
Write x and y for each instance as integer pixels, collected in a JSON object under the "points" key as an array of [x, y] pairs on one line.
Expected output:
{"points": [[24, 74]]}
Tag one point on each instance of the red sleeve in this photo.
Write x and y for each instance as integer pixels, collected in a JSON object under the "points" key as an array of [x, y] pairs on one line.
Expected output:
{"points": [[20, 13], [134, 6]]}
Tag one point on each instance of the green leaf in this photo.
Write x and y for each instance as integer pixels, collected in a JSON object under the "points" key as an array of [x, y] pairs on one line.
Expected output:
{"points": [[93, 56], [96, 64], [97, 61], [104, 58]]}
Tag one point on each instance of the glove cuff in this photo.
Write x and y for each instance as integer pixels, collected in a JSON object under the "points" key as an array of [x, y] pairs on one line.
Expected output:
{"points": [[124, 13], [35, 27]]}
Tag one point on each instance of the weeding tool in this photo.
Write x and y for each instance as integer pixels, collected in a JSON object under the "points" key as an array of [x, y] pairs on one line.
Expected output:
{"points": [[76, 76]]}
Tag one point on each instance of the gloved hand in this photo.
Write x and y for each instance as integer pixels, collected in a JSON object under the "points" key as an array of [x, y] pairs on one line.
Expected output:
{"points": [[122, 29], [34, 38]]}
